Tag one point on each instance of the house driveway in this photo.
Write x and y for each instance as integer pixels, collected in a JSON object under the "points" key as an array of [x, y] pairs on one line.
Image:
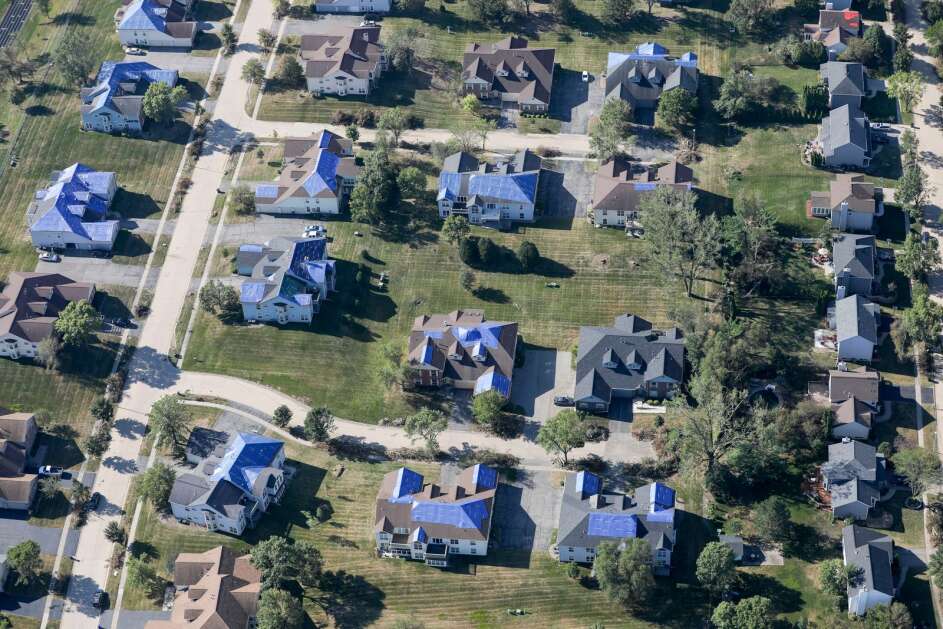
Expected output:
{"points": [[575, 102], [180, 60], [98, 270], [267, 226], [545, 374], [14, 529], [567, 189], [324, 23]]}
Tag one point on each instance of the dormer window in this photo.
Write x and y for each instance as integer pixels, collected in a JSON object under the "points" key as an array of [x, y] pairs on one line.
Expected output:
{"points": [[609, 359]]}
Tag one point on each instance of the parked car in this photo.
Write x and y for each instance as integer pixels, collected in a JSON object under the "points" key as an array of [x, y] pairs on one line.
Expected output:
{"points": [[880, 126], [50, 470], [585, 76], [131, 50], [563, 400], [50, 256], [314, 231], [100, 599]]}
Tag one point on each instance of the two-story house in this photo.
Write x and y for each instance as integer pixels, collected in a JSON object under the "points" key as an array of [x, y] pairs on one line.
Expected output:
{"points": [[429, 523], [872, 555], [640, 77], [834, 30], [848, 83], [345, 61], [490, 195], [853, 258], [854, 476], [851, 204], [619, 187], [113, 104], [510, 71], [17, 436], [156, 24]]}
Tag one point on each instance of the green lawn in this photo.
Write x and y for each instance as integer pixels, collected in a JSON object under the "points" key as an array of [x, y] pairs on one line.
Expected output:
{"points": [[425, 276]]}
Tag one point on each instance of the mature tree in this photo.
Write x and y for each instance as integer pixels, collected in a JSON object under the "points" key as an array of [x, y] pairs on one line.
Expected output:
{"points": [[411, 182], [76, 323], [281, 9], [319, 423], [743, 94], [716, 570], [394, 121], [750, 16], [253, 72], [611, 129], [488, 407], [489, 11], [771, 519], [903, 59], [861, 51], [935, 567], [404, 46], [755, 612], [375, 195], [455, 228], [228, 37], [170, 420], [563, 10], [917, 258], [44, 5], [13, 68], [243, 200], [681, 241], [74, 57], [807, 8], [617, 12], [562, 433], [49, 487], [528, 255], [160, 102], [80, 494], [468, 280], [281, 416], [487, 251], [279, 609], [676, 109], [426, 425], [220, 299], [835, 577], [352, 132], [714, 428], [934, 35], [625, 575], [752, 244], [814, 100], [290, 72], [308, 561], [275, 559], [267, 39], [96, 444], [921, 468], [48, 352], [24, 559], [143, 576], [103, 410], [793, 51], [115, 534], [471, 104], [464, 135], [468, 251], [907, 87], [409, 7], [921, 322], [155, 484], [893, 616]]}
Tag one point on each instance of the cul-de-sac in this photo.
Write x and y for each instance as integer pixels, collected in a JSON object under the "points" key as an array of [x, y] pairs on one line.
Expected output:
{"points": [[419, 314]]}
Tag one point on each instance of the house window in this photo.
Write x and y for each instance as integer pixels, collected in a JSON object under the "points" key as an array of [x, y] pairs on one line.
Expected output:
{"points": [[474, 551], [522, 215], [491, 206], [436, 540], [570, 549], [417, 545], [399, 530], [454, 542]]}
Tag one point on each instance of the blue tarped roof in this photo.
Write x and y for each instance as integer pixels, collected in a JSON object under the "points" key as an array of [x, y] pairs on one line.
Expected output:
{"points": [[407, 482], [419, 535], [295, 290], [491, 379], [484, 477], [587, 483], [324, 176], [111, 73], [488, 333], [618, 525], [58, 219], [651, 49], [252, 292], [81, 191], [467, 514], [303, 251], [142, 15], [450, 186], [325, 140], [105, 231], [428, 352], [266, 191], [661, 497], [518, 188], [246, 458]]}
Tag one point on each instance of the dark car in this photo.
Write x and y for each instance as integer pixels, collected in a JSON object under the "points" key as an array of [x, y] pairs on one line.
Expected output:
{"points": [[93, 502], [563, 400], [100, 599]]}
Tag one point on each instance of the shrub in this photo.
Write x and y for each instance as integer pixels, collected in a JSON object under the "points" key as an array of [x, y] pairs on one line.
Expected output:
{"points": [[340, 117], [366, 118]]}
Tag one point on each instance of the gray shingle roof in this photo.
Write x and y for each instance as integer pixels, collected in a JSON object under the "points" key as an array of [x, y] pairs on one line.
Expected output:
{"points": [[856, 316], [873, 553], [844, 126], [847, 79], [854, 253]]}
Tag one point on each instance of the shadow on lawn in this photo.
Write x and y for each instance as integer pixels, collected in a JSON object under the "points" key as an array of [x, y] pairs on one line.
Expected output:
{"points": [[350, 599], [134, 204], [299, 496]]}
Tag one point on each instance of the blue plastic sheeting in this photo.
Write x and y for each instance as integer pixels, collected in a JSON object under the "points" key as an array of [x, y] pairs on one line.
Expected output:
{"points": [[428, 352], [142, 15], [324, 176], [492, 380], [488, 334], [661, 497], [106, 231], [252, 292], [325, 140], [246, 458], [484, 477], [419, 535], [667, 516], [310, 249], [587, 483], [619, 525], [469, 514], [266, 191], [519, 188], [112, 73], [450, 186], [407, 482], [58, 219]]}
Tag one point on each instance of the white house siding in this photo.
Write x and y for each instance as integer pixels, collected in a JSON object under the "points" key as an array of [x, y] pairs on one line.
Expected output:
{"points": [[107, 121], [578, 554], [856, 348], [477, 548], [614, 218], [204, 516], [152, 39], [341, 84], [518, 212], [66, 240], [300, 205], [279, 311], [12, 346], [844, 219], [865, 600]]}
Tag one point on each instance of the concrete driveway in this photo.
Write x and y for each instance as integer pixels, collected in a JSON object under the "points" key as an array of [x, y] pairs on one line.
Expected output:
{"points": [[324, 24], [98, 270], [527, 510], [575, 102], [180, 60], [265, 227], [567, 189], [545, 374]]}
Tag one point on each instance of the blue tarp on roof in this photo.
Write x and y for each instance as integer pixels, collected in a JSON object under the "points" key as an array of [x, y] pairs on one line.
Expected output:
{"points": [[419, 535], [325, 140], [324, 176], [618, 525], [661, 497], [143, 15], [469, 514], [246, 458], [450, 186], [652, 49], [519, 188], [252, 292], [491, 379], [112, 73], [484, 477], [59, 219], [428, 352], [266, 191], [303, 253], [407, 482], [587, 483]]}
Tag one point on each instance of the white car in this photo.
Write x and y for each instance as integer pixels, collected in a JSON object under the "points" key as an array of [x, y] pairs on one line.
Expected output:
{"points": [[585, 76], [314, 231], [49, 256], [881, 126], [137, 52]]}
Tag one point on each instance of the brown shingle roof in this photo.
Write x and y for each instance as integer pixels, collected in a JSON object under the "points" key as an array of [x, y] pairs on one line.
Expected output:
{"points": [[355, 51], [31, 302], [20, 428], [511, 55], [616, 183], [860, 383]]}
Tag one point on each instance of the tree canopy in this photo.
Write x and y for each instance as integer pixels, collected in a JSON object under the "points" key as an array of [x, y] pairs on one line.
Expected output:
{"points": [[562, 433], [171, 420], [160, 102], [318, 424], [611, 129], [375, 195], [25, 560], [426, 425], [76, 323], [279, 609], [625, 575], [74, 57], [156, 483], [676, 109], [716, 570]]}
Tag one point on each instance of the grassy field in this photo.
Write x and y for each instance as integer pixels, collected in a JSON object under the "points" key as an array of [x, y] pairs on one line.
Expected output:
{"points": [[425, 278]]}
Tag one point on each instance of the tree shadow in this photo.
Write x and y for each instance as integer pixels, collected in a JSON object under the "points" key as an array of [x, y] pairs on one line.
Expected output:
{"points": [[143, 550], [351, 600], [73, 19], [111, 307], [299, 496], [61, 449], [785, 600], [211, 11], [39, 111], [493, 295]]}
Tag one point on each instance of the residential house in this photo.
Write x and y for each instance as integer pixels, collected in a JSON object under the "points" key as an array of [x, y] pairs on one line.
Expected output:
{"points": [[872, 554], [853, 258], [851, 203], [425, 522], [856, 321], [216, 589], [511, 72], [29, 307], [113, 104], [288, 279], [628, 360], [641, 76], [70, 213], [845, 138], [346, 61], [735, 544], [838, 5], [17, 436], [852, 419], [232, 492], [317, 177], [619, 187], [590, 516], [352, 6], [834, 29], [156, 24], [490, 195], [464, 350], [854, 475], [848, 84], [854, 382]]}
